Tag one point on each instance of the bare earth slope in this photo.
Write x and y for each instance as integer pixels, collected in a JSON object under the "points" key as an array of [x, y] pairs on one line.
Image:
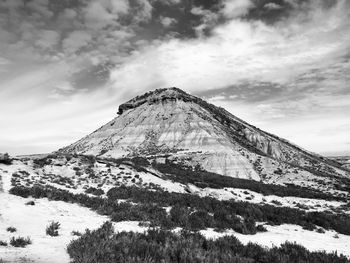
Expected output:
{"points": [[78, 173], [171, 123]]}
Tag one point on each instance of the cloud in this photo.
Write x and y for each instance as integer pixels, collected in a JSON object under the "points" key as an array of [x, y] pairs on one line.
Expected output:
{"points": [[208, 19], [69, 14], [143, 10], [38, 27], [236, 8], [48, 39], [40, 7], [97, 16], [11, 5], [170, 2], [272, 6], [75, 41], [4, 61], [119, 6], [167, 21], [101, 13], [248, 50]]}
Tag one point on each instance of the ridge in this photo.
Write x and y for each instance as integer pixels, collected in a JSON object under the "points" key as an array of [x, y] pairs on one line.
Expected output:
{"points": [[157, 96]]}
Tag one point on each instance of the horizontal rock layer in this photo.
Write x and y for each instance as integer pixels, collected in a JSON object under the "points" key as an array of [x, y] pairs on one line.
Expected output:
{"points": [[170, 122]]}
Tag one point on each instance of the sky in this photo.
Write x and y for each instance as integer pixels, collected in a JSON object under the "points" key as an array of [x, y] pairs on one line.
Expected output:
{"points": [[281, 65]]}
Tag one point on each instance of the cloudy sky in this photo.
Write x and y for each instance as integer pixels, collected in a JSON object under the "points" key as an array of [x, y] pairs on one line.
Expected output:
{"points": [[66, 65]]}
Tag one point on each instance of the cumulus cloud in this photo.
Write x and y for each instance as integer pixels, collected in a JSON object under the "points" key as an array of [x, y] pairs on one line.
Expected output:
{"points": [[236, 8], [208, 19], [240, 50], [75, 41], [4, 61], [40, 7], [170, 2], [97, 16], [272, 6], [143, 10], [69, 14], [167, 21], [48, 39], [101, 13], [119, 6]]}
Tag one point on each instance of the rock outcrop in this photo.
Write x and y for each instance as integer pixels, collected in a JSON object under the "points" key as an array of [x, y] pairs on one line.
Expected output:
{"points": [[173, 124]]}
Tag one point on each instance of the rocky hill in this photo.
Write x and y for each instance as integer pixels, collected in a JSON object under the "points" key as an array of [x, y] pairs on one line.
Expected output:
{"points": [[172, 124], [172, 161]]}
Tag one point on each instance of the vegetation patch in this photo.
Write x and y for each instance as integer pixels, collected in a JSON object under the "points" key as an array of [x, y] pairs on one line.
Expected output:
{"points": [[3, 243], [11, 229], [20, 241], [190, 211], [187, 175], [166, 246], [94, 191], [52, 229], [5, 159]]}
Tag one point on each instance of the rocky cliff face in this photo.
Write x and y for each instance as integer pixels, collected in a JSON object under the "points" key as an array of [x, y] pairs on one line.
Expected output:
{"points": [[173, 124]]}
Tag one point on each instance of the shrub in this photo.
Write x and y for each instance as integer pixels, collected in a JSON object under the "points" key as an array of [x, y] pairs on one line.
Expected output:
{"points": [[232, 215], [11, 229], [104, 246], [94, 191], [276, 202], [20, 191], [52, 229], [41, 162], [196, 222], [179, 215], [5, 159], [261, 228], [309, 226], [3, 243], [186, 175], [20, 241], [30, 203], [320, 230], [76, 233]]}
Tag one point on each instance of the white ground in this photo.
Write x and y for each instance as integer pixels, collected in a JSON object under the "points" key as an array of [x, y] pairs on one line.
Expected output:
{"points": [[32, 221], [254, 197], [277, 235], [127, 175]]}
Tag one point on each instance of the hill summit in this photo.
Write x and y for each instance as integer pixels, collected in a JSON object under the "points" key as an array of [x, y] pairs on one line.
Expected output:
{"points": [[170, 124]]}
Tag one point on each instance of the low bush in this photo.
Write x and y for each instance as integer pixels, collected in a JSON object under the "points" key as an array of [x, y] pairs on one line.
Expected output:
{"points": [[20, 191], [240, 216], [76, 233], [104, 246], [5, 159], [11, 229], [52, 229], [261, 228], [3, 243], [180, 173], [94, 191], [20, 241]]}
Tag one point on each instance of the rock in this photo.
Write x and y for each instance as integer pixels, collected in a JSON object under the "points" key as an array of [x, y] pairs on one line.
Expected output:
{"points": [[170, 122]]}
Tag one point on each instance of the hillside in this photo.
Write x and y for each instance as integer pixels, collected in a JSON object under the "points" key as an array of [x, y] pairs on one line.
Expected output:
{"points": [[84, 191], [171, 124], [174, 169]]}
